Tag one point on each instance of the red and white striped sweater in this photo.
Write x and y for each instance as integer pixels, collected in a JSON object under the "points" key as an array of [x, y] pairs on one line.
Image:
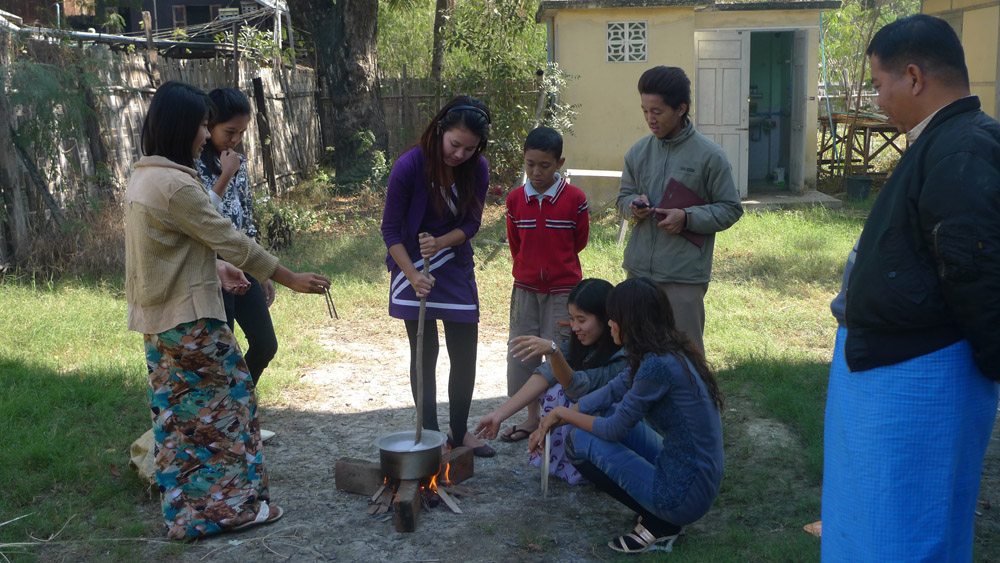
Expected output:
{"points": [[546, 235]]}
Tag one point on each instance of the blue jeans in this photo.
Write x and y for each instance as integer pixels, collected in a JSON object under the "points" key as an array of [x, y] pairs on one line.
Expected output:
{"points": [[630, 463]]}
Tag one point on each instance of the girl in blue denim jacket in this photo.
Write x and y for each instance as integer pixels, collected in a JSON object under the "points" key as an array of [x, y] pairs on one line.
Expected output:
{"points": [[658, 446]]}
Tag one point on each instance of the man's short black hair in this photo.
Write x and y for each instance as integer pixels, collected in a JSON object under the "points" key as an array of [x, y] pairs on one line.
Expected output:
{"points": [[545, 139], [926, 41], [670, 83]]}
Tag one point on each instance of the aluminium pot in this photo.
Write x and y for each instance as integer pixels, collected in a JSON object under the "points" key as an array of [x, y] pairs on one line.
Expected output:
{"points": [[402, 459]]}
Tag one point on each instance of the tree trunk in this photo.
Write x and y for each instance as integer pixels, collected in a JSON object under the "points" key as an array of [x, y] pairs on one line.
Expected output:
{"points": [[98, 151], [437, 51], [345, 33]]}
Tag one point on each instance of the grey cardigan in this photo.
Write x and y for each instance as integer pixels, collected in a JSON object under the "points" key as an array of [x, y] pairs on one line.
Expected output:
{"points": [[701, 165], [585, 380]]}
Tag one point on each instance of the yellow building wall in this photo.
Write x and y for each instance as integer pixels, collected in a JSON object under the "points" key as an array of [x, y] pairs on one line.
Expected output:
{"points": [[979, 39], [757, 19], [959, 4], [609, 118], [934, 7], [980, 23]]}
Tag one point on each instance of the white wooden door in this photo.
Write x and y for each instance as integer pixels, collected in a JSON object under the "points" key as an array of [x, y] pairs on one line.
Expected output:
{"points": [[800, 94], [722, 84]]}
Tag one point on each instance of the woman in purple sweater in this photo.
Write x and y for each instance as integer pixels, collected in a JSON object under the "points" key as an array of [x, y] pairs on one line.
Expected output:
{"points": [[439, 187]]}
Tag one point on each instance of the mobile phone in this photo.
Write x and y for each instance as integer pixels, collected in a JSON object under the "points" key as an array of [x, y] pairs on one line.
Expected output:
{"points": [[640, 203]]}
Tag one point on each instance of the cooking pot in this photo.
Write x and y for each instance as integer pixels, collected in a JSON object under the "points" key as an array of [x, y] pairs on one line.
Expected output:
{"points": [[404, 460]]}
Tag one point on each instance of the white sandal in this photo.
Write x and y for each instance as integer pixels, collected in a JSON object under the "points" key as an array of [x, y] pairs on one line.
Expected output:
{"points": [[266, 515], [643, 539]]}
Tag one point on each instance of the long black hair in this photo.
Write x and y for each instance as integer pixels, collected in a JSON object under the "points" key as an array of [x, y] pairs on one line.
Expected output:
{"points": [[591, 297], [175, 114], [472, 115], [229, 103], [646, 324]]}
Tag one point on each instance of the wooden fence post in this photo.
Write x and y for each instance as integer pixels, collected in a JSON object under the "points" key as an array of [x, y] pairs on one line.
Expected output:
{"points": [[153, 60], [264, 133], [13, 195], [236, 55]]}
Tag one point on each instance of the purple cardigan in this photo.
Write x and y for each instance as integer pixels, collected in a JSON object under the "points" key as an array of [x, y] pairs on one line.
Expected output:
{"points": [[406, 204]]}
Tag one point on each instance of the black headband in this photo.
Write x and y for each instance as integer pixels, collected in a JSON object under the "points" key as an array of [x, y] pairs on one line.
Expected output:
{"points": [[472, 108]]}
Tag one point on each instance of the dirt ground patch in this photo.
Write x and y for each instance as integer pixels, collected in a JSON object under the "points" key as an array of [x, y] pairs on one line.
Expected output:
{"points": [[364, 394], [345, 404]]}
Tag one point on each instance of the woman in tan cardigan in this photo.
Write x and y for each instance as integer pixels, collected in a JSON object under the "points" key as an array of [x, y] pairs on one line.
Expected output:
{"points": [[209, 463]]}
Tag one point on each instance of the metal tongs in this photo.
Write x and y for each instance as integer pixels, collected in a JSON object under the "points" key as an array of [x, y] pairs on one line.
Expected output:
{"points": [[330, 307]]}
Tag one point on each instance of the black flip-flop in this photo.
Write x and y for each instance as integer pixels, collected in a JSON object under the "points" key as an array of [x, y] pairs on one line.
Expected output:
{"points": [[515, 435]]}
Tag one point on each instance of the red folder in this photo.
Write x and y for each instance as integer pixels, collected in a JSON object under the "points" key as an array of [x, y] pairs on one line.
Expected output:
{"points": [[678, 196]]}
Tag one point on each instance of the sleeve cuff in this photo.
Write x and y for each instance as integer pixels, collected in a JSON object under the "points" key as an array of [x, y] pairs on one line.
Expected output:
{"points": [[583, 405], [260, 263], [545, 370], [598, 429]]}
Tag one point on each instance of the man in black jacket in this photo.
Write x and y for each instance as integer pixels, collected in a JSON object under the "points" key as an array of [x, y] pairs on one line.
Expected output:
{"points": [[913, 395]]}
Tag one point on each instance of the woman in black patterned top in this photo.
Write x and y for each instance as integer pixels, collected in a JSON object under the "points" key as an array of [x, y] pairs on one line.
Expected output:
{"points": [[223, 171]]}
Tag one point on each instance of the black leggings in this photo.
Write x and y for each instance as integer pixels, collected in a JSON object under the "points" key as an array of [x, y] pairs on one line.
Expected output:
{"points": [[250, 310], [656, 526], [461, 340]]}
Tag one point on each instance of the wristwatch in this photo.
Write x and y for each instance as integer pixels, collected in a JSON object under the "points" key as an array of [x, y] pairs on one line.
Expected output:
{"points": [[553, 346]]}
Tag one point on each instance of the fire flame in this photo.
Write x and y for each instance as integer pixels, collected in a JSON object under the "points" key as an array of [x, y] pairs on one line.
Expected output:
{"points": [[433, 485]]}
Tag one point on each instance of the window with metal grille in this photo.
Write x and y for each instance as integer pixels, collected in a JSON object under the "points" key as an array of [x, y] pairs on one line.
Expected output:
{"points": [[627, 42]]}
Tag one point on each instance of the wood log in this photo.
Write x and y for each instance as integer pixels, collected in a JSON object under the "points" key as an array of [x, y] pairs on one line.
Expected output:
{"points": [[357, 476], [406, 505], [378, 493], [449, 501], [461, 465], [460, 491]]}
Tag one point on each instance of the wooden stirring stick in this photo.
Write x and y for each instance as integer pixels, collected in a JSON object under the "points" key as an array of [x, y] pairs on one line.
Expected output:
{"points": [[420, 355]]}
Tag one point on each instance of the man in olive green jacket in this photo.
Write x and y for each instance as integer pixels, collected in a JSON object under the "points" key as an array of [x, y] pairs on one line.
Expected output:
{"points": [[657, 247]]}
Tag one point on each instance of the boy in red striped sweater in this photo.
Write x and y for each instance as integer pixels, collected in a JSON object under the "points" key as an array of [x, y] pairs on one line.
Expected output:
{"points": [[547, 226]]}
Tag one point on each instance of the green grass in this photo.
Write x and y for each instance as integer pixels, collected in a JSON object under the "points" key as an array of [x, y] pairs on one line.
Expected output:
{"points": [[73, 391]]}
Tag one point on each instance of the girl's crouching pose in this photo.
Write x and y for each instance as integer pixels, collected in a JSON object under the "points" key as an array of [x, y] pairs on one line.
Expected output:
{"points": [[659, 450]]}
